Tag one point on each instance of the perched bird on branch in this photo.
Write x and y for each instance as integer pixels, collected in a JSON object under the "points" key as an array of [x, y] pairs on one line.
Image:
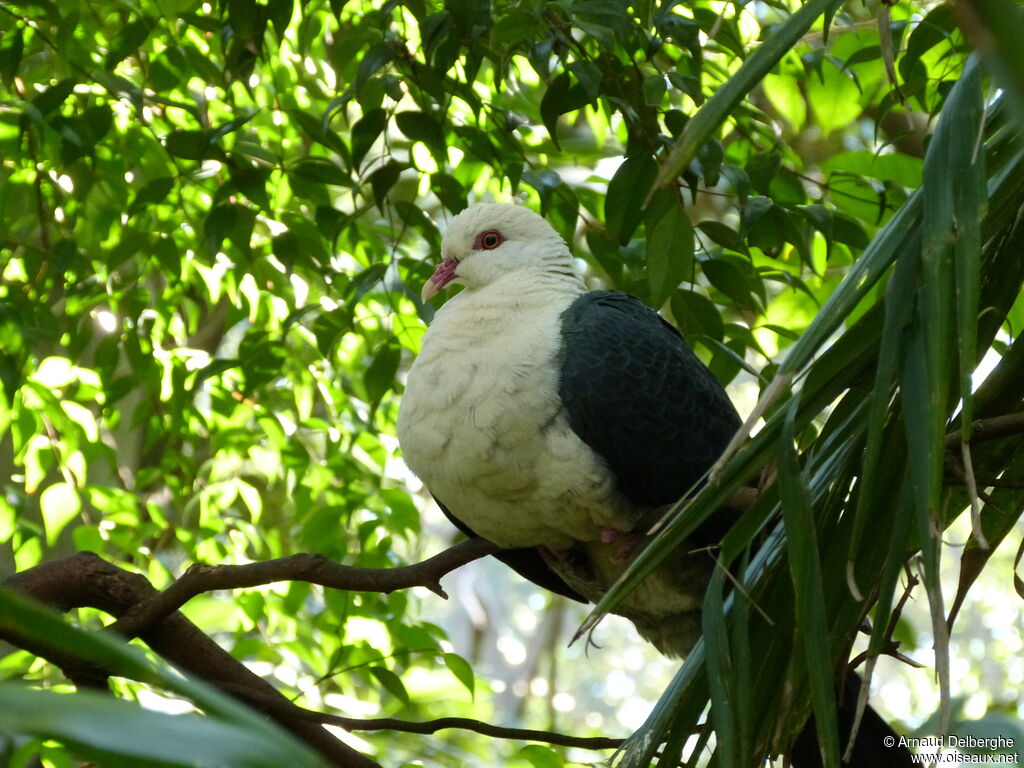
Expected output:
{"points": [[558, 422], [553, 419]]}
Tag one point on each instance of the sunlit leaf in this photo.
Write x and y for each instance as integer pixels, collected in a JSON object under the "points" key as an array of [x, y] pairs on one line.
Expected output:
{"points": [[461, 669], [60, 504]]}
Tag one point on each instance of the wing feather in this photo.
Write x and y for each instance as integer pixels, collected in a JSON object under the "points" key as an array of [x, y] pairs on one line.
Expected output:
{"points": [[640, 398]]}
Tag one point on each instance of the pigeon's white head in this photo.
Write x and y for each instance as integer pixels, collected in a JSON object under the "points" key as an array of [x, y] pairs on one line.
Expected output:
{"points": [[486, 242]]}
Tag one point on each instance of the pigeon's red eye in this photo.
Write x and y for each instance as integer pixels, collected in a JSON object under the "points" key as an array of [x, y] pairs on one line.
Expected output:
{"points": [[489, 240]]}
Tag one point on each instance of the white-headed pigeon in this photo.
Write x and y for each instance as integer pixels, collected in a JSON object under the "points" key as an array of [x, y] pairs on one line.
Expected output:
{"points": [[555, 421]]}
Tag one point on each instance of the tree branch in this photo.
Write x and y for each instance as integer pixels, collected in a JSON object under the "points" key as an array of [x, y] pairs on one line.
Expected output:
{"points": [[466, 724], [302, 567], [441, 723], [984, 430]]}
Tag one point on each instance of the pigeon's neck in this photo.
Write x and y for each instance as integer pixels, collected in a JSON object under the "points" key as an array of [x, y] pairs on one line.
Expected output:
{"points": [[514, 298]]}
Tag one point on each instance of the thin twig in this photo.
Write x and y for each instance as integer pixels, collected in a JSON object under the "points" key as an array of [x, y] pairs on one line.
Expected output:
{"points": [[466, 724]]}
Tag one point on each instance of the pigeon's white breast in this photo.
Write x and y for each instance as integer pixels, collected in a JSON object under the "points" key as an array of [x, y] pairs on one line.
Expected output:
{"points": [[481, 423]]}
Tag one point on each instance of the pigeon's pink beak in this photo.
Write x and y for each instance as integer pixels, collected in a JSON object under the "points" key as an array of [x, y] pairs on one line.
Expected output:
{"points": [[443, 275]]}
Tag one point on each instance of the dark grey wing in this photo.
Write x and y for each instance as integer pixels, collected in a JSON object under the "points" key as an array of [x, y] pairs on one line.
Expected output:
{"points": [[640, 398]]}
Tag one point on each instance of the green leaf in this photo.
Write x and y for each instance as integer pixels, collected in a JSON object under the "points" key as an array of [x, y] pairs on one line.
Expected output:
{"points": [[153, 191], [765, 230], [998, 26], [722, 234], [761, 169], [263, 359], [785, 94], [365, 133], [252, 182], [420, 126], [234, 223], [380, 374], [895, 167], [562, 96], [321, 170], [373, 60], [25, 618], [392, 683], [589, 76], [383, 179], [936, 27], [189, 144], [710, 157], [449, 191], [654, 88], [51, 98], [626, 192], [98, 120], [669, 253], [966, 109], [721, 676], [835, 99], [805, 572], [695, 313], [318, 131], [59, 504], [891, 242], [128, 40], [725, 275], [512, 28], [541, 757], [463, 672], [10, 55], [120, 733]]}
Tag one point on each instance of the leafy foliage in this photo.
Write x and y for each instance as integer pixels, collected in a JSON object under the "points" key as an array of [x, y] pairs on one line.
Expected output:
{"points": [[217, 218]]}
